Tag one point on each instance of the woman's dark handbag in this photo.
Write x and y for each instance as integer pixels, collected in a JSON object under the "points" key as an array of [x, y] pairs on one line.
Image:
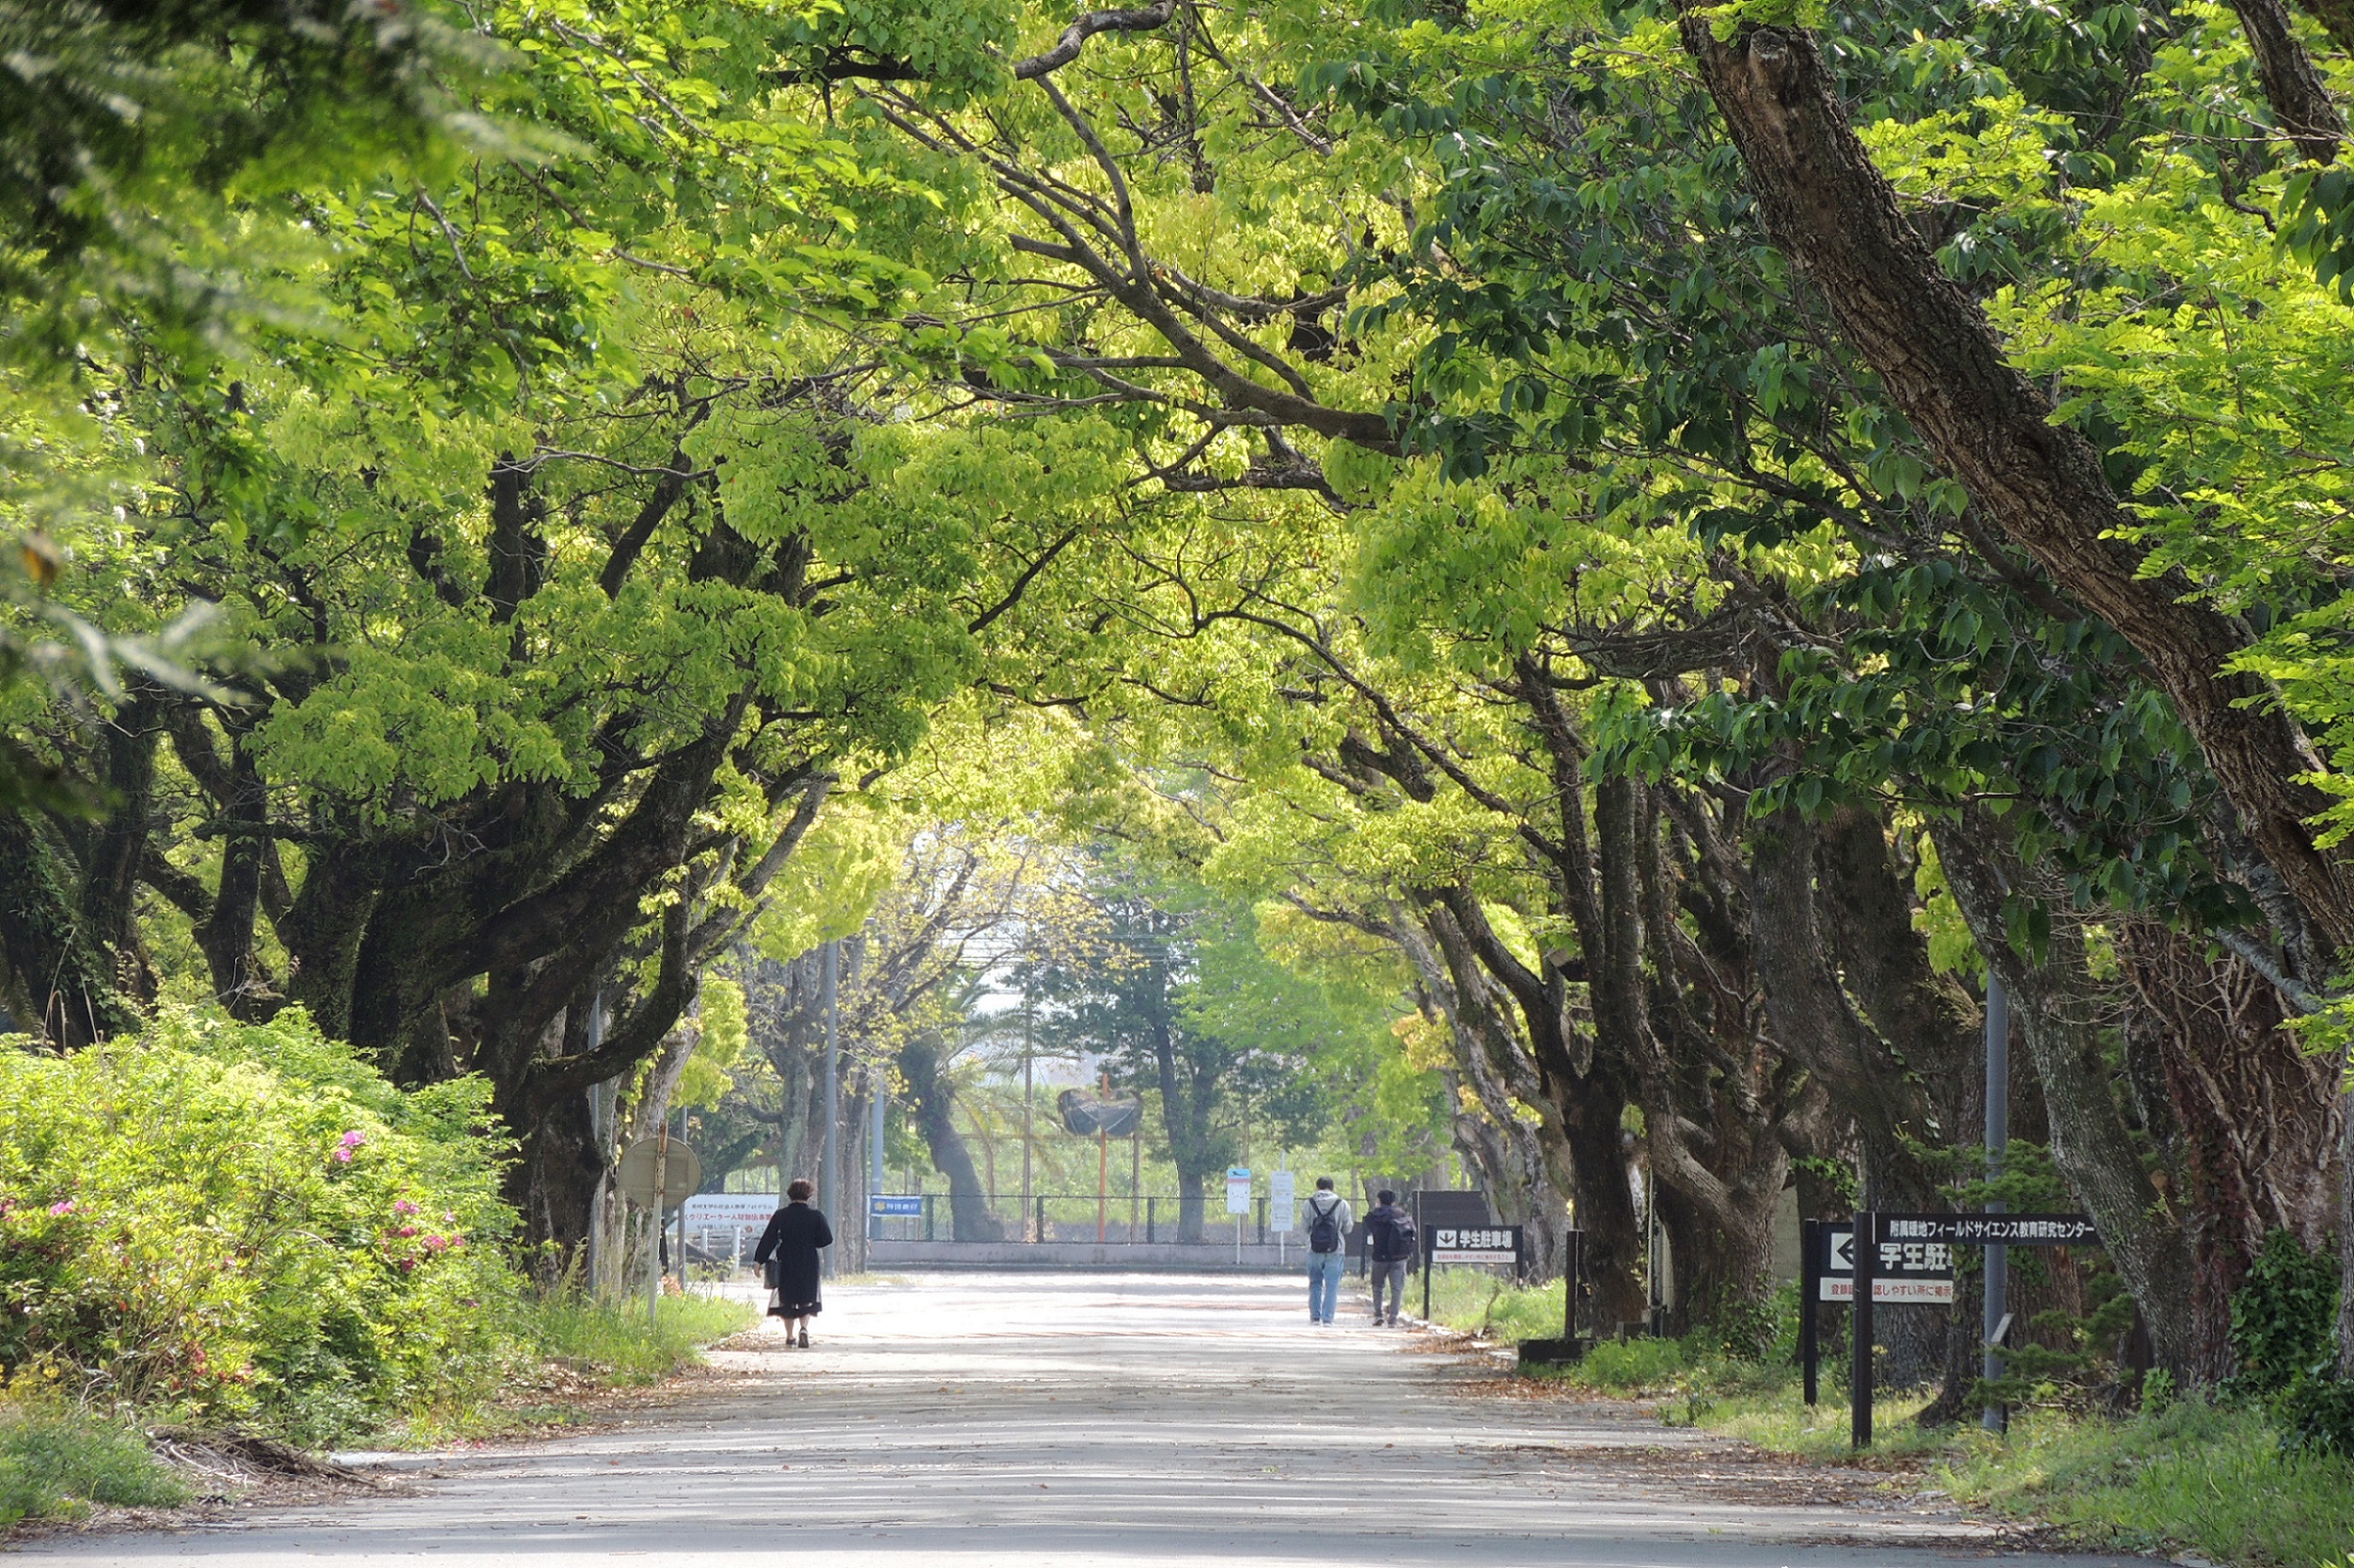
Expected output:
{"points": [[773, 1273]]}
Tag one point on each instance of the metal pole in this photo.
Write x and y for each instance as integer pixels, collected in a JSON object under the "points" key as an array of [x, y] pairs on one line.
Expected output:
{"points": [[1135, 1170], [1997, 1278], [1028, 1018], [879, 1179], [829, 998], [680, 1255], [1425, 1237], [653, 1225], [1859, 1366]]}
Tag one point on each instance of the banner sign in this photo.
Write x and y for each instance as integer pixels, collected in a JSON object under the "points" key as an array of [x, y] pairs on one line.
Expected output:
{"points": [[1902, 1271], [1991, 1230], [1280, 1212], [1493, 1244], [889, 1206], [1238, 1189], [717, 1209]]}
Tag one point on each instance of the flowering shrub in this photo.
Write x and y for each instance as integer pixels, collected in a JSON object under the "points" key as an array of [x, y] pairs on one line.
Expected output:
{"points": [[247, 1223]]}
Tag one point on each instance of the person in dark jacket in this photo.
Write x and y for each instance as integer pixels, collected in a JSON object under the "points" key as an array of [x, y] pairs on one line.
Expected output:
{"points": [[1388, 1252], [795, 1233]]}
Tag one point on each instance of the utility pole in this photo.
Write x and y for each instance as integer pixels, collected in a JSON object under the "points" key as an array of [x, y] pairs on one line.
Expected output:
{"points": [[876, 1177], [829, 999], [1028, 1019], [1997, 1278]]}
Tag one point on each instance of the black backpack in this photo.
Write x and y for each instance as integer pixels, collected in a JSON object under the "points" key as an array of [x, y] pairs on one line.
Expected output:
{"points": [[1404, 1243], [1324, 1227]]}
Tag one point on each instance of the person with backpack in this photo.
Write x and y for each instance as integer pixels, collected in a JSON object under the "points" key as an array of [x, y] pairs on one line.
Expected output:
{"points": [[1390, 1242], [1328, 1243]]}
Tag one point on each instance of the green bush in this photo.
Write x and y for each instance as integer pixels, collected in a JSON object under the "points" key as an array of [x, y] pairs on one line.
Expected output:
{"points": [[247, 1224], [54, 1458], [2283, 1318], [1633, 1365]]}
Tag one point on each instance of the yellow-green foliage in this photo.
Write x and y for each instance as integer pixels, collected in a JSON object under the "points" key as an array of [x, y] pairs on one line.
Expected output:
{"points": [[248, 1223], [726, 1033]]}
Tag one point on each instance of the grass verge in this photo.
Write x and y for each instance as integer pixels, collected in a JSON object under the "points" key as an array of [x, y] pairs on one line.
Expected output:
{"points": [[576, 1347], [57, 1459], [2193, 1476], [2212, 1479], [614, 1341]]}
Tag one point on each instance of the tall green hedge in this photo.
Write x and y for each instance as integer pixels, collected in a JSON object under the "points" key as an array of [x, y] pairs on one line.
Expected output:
{"points": [[247, 1224]]}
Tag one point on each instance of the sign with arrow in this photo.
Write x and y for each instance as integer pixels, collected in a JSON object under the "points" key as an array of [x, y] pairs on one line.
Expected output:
{"points": [[1904, 1271]]}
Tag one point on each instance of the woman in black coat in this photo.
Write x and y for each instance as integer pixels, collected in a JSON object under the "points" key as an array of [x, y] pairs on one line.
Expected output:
{"points": [[795, 1233]]}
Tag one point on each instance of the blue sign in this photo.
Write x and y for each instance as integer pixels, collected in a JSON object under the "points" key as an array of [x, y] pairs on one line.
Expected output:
{"points": [[890, 1208]]}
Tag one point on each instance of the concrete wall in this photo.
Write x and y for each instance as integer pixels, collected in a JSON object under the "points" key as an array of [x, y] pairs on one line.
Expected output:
{"points": [[1208, 1256]]}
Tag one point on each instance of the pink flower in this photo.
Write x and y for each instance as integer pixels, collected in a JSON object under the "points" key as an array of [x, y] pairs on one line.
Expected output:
{"points": [[404, 1207], [406, 1230], [434, 1243], [353, 1138], [343, 1157], [59, 1211]]}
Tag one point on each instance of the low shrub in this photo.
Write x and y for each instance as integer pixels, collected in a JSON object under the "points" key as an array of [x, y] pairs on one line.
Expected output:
{"points": [[248, 1225], [56, 1458], [2283, 1318]]}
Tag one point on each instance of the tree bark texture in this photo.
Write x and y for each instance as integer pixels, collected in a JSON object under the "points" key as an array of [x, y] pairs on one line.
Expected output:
{"points": [[1930, 1024], [63, 979], [1515, 1138], [2337, 20], [2301, 102], [933, 1098], [2254, 1120], [2060, 1010], [1829, 209]]}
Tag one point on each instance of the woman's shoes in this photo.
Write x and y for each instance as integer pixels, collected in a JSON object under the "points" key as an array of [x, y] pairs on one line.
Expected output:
{"points": [[804, 1338]]}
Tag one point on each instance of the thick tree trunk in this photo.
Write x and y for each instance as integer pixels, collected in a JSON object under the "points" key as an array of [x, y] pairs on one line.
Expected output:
{"points": [[1590, 1096], [1184, 1116], [1937, 1030], [118, 846], [1191, 1208], [2057, 1005], [934, 1100], [2256, 1118], [1524, 1166], [2302, 103], [2337, 20], [64, 978], [1829, 209]]}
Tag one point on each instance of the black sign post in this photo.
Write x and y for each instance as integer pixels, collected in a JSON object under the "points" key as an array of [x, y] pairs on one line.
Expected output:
{"points": [[1860, 1364], [1900, 1231], [1810, 1285], [1542, 1352], [1908, 1272]]}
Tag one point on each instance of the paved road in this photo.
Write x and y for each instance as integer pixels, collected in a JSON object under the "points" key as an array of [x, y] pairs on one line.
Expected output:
{"points": [[1060, 1421]]}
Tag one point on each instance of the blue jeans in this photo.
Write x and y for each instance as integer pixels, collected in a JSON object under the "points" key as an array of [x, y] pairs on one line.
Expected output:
{"points": [[1324, 1271]]}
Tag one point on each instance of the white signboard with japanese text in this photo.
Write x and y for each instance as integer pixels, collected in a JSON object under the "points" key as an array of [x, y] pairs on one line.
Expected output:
{"points": [[1493, 1244]]}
